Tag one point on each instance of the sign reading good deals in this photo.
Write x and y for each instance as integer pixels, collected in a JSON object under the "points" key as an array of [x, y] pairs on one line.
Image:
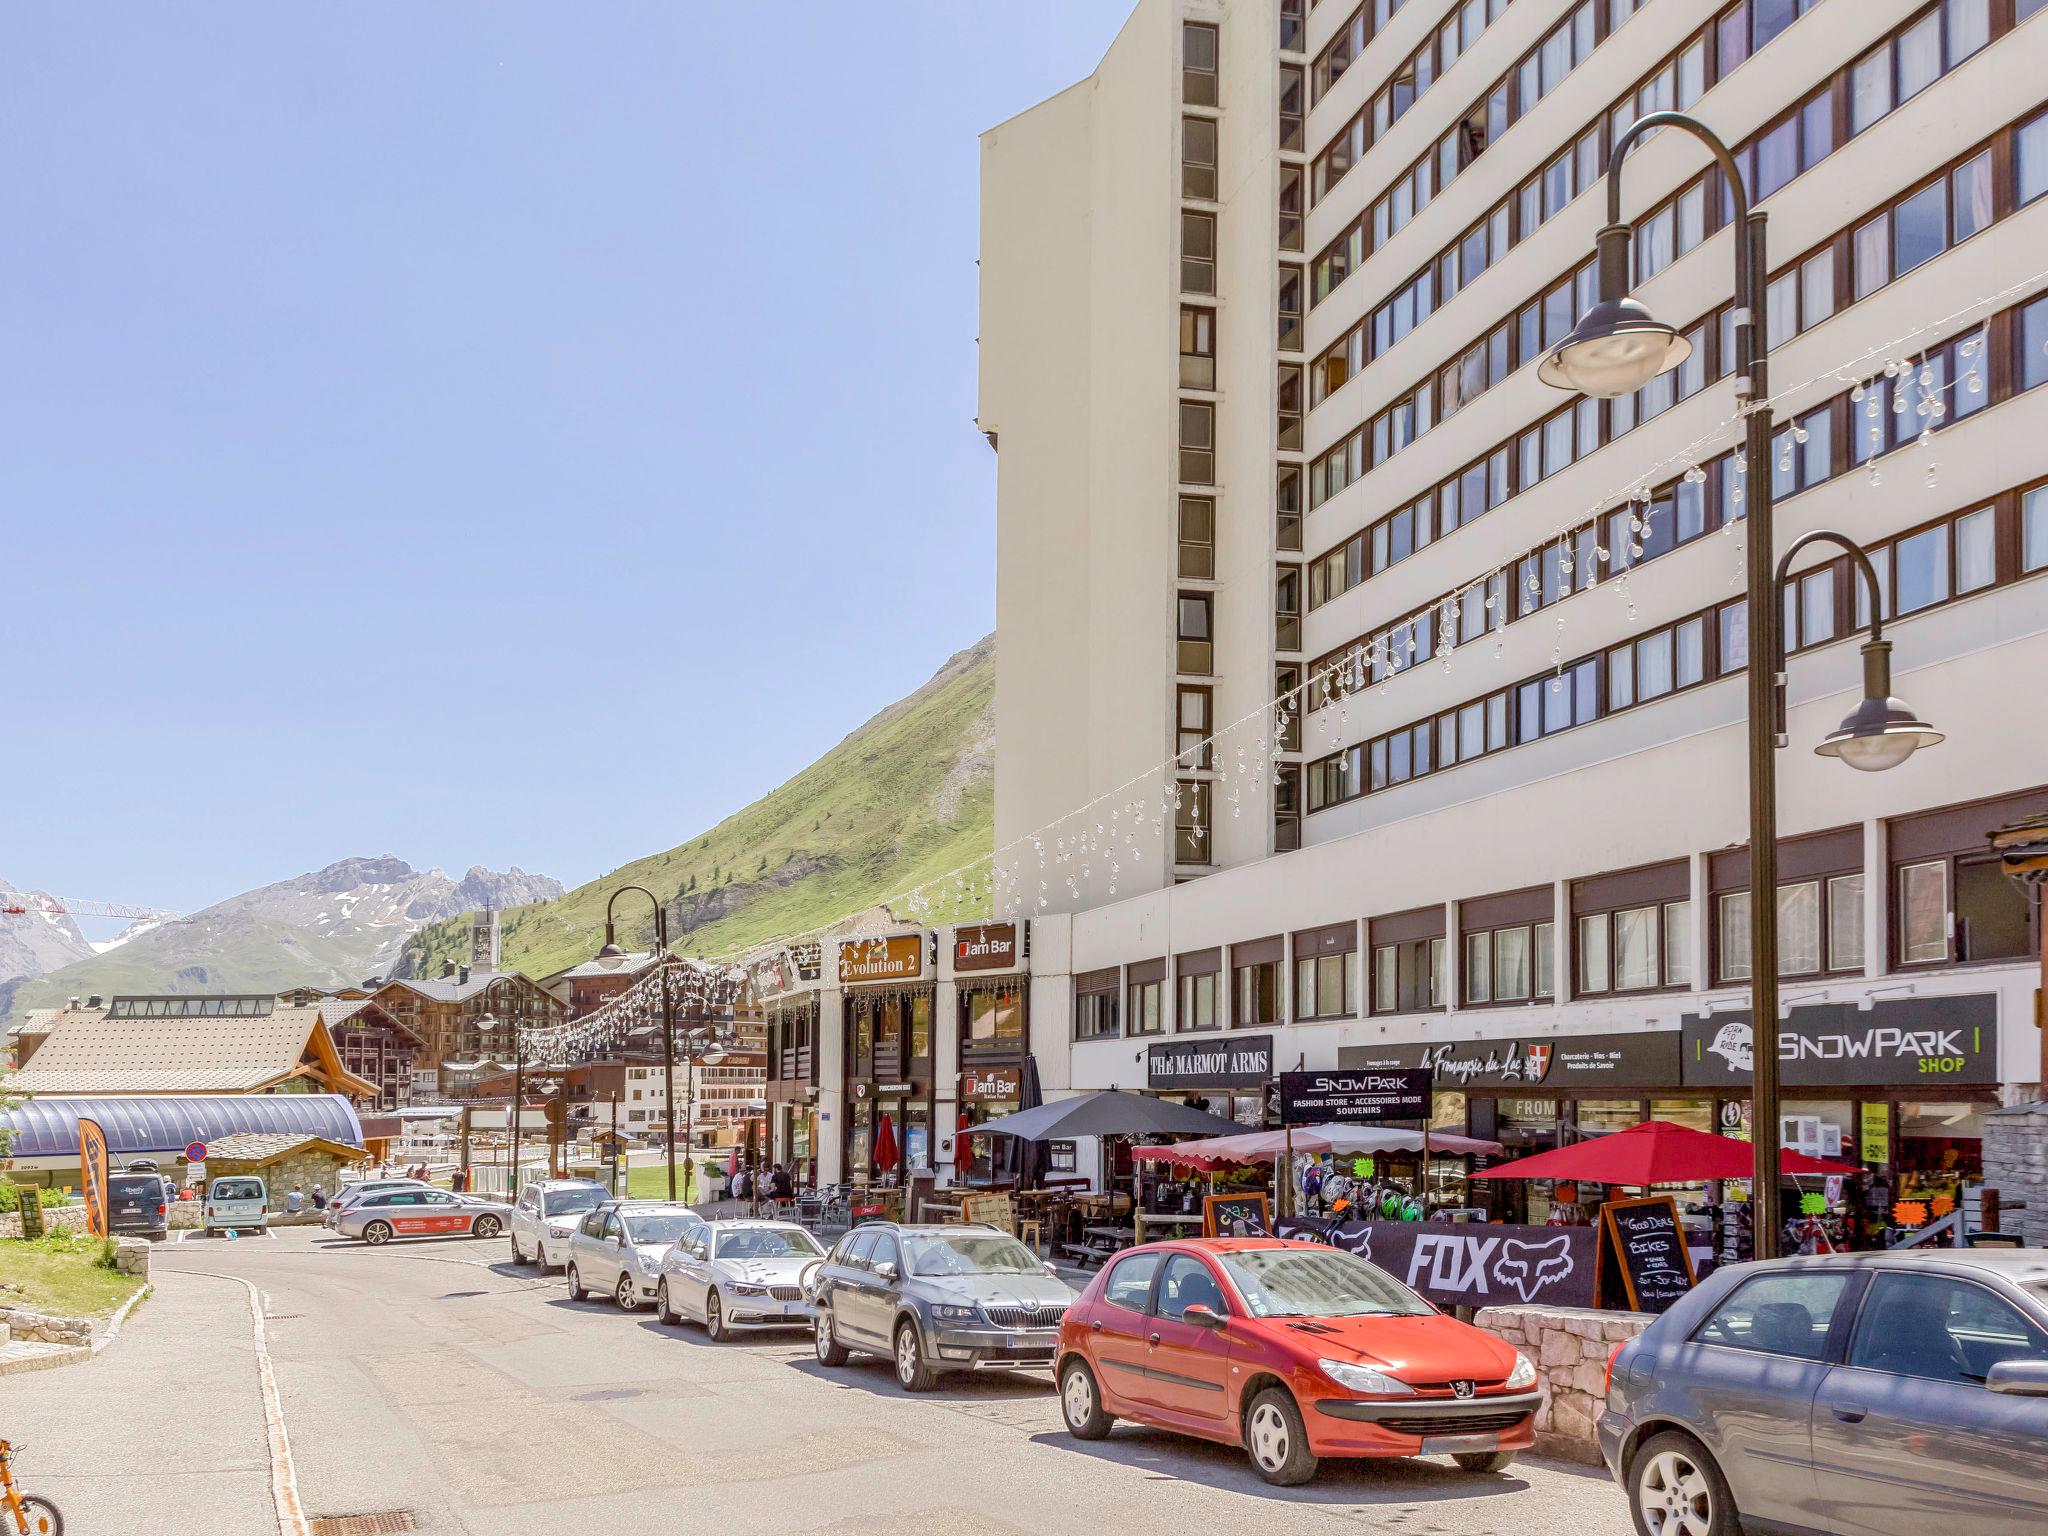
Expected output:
{"points": [[1458, 1263], [1346, 1097], [1648, 1244], [899, 957], [1645, 1059], [1238, 1063], [1905, 1042], [988, 947]]}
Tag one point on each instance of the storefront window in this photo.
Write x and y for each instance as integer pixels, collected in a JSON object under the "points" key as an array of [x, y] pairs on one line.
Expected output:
{"points": [[1600, 1116], [863, 1034], [995, 1018], [1817, 1127], [921, 1027], [1693, 1114]]}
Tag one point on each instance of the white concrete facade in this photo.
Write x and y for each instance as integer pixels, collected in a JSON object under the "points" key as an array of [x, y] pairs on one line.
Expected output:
{"points": [[1085, 623]]}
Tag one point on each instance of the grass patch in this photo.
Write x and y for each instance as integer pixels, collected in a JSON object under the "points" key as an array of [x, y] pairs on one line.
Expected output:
{"points": [[63, 1275], [649, 1181]]}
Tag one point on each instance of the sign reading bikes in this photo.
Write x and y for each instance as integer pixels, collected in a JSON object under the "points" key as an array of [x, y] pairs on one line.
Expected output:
{"points": [[1459, 1263], [1239, 1063], [899, 957], [1644, 1059], [1346, 1097], [985, 947], [1905, 1042]]}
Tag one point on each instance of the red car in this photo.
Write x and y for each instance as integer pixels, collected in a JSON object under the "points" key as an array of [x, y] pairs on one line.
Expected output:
{"points": [[1292, 1350]]}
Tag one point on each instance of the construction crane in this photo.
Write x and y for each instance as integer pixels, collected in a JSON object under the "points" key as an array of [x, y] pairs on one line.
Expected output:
{"points": [[19, 905]]}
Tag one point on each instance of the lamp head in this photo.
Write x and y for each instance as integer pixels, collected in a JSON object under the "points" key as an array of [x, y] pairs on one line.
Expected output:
{"points": [[1615, 349], [1882, 731], [611, 950]]}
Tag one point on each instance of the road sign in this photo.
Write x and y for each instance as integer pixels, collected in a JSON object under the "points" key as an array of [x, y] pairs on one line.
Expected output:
{"points": [[195, 1152]]}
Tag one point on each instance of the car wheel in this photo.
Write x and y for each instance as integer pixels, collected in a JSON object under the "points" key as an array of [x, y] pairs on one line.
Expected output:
{"points": [[1486, 1461], [625, 1295], [576, 1291], [485, 1227], [913, 1373], [825, 1339], [517, 1256], [1277, 1440], [1081, 1402], [377, 1233], [1674, 1489], [663, 1312]]}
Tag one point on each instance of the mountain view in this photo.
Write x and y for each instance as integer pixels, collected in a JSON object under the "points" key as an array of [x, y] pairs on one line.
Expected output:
{"points": [[906, 797], [33, 942], [334, 925]]}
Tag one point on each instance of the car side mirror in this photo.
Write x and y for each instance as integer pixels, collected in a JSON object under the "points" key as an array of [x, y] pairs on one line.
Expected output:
{"points": [[887, 1271], [1052, 1269], [2019, 1378], [1202, 1317]]}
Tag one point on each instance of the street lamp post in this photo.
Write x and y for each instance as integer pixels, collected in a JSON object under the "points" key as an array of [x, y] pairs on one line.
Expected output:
{"points": [[612, 951], [1615, 348], [486, 1024]]}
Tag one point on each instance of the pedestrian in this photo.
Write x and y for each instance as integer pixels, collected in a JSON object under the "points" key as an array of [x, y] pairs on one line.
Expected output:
{"points": [[319, 1197], [780, 1185], [295, 1202], [743, 1186]]}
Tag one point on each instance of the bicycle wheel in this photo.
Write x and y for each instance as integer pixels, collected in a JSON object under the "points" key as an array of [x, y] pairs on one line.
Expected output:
{"points": [[42, 1517]]}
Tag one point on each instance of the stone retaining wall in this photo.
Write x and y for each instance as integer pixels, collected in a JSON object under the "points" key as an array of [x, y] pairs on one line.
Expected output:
{"points": [[2016, 1165], [1570, 1349], [65, 1218], [35, 1328]]}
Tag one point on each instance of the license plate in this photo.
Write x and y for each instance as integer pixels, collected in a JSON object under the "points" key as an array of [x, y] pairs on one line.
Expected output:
{"points": [[1458, 1445]]}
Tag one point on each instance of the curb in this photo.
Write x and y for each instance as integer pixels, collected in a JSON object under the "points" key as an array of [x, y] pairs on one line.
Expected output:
{"points": [[284, 1479], [77, 1354]]}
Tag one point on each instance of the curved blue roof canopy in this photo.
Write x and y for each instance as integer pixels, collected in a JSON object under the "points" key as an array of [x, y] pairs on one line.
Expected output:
{"points": [[138, 1125]]}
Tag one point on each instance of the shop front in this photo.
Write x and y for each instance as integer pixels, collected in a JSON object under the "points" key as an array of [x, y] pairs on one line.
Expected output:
{"points": [[889, 1001], [1229, 1075], [991, 1019], [791, 1091]]}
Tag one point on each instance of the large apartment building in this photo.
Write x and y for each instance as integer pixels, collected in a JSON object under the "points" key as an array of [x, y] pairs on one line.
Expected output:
{"points": [[1263, 301]]}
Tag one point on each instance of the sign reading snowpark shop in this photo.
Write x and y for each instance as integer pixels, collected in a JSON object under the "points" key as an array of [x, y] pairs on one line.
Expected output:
{"points": [[898, 957], [1353, 1097], [1900, 1042], [1213, 1063]]}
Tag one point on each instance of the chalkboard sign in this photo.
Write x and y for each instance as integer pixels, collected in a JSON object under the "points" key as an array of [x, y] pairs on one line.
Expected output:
{"points": [[1648, 1244], [1236, 1216]]}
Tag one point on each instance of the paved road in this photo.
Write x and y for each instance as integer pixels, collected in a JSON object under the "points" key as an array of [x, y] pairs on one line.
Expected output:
{"points": [[434, 1377]]}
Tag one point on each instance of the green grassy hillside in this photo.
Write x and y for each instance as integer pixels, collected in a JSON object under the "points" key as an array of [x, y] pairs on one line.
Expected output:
{"points": [[907, 797]]}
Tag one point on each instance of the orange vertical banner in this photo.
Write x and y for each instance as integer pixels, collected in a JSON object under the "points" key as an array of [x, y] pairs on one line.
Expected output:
{"points": [[92, 1163]]}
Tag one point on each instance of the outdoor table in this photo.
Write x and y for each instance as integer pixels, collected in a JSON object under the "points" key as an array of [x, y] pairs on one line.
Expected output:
{"points": [[1156, 1219], [947, 1210]]}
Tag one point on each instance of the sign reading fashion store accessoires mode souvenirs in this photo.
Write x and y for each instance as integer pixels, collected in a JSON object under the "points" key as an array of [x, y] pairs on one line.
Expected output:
{"points": [[1460, 1263], [1919, 1042], [1345, 1097], [898, 957], [985, 947], [1216, 1062], [1643, 1059]]}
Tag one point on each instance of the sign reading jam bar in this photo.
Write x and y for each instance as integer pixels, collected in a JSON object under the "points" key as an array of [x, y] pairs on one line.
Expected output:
{"points": [[985, 947], [899, 957]]}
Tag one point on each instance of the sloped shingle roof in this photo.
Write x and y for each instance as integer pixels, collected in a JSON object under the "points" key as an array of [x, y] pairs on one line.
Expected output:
{"points": [[267, 1146], [93, 1053]]}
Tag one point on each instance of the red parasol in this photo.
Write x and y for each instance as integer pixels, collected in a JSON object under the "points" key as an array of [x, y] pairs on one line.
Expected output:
{"points": [[1656, 1152], [886, 1155]]}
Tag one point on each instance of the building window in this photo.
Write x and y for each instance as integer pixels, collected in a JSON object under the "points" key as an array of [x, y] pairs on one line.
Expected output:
{"points": [[1197, 251], [1146, 1001], [1288, 408], [1677, 943], [1287, 608], [1198, 64], [1923, 913], [1195, 749], [1197, 642], [1326, 986], [1192, 822], [1257, 994], [1196, 1006], [1198, 538], [1293, 108], [1290, 313], [1095, 1008], [1845, 923], [1198, 158], [1288, 707], [1290, 207], [1799, 932], [1410, 975], [1197, 349]]}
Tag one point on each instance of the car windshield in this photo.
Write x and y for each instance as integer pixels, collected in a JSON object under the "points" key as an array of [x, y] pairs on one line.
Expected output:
{"points": [[767, 1243], [238, 1189], [970, 1253], [568, 1202], [1293, 1282], [657, 1226]]}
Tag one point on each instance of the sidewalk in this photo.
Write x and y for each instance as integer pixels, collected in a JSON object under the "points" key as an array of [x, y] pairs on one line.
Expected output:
{"points": [[169, 1420]]}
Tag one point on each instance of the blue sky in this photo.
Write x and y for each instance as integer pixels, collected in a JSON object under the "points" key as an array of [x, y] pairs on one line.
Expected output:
{"points": [[482, 432]]}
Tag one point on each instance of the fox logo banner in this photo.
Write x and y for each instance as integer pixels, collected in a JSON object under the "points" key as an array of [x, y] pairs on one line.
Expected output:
{"points": [[1457, 1263], [92, 1165]]}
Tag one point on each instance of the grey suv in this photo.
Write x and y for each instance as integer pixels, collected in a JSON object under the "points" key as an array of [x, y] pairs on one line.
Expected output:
{"points": [[1875, 1393], [937, 1298]]}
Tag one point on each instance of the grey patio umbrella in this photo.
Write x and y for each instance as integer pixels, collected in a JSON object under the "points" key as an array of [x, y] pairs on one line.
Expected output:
{"points": [[1108, 1113]]}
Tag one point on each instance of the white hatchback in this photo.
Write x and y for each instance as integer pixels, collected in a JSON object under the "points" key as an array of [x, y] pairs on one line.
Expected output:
{"points": [[545, 1217]]}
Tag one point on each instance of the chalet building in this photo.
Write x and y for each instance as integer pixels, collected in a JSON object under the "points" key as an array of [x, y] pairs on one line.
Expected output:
{"points": [[445, 1012], [587, 987]]}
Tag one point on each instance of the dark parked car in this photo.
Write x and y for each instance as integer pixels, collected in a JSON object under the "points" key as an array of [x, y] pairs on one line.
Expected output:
{"points": [[935, 1299], [136, 1205], [1872, 1393]]}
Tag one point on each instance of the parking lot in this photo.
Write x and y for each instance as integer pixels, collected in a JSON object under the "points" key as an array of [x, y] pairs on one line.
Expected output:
{"points": [[432, 1377]]}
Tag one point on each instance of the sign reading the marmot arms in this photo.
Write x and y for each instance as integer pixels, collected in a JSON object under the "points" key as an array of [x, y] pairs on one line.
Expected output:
{"points": [[1217, 1062]]}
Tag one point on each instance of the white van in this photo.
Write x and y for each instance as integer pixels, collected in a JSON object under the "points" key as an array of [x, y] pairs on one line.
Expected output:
{"points": [[237, 1203]]}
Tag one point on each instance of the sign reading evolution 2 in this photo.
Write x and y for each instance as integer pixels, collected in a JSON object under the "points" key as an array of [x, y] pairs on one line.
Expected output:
{"points": [[1239, 1063], [1648, 1059], [899, 957], [1900, 1042]]}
